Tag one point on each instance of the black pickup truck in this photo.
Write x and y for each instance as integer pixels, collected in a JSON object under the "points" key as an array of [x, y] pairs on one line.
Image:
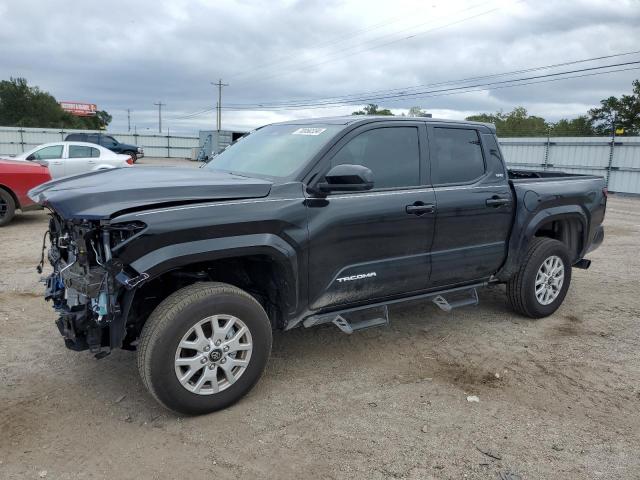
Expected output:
{"points": [[299, 224]]}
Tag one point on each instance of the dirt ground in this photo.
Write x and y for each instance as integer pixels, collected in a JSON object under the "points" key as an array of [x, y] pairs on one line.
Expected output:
{"points": [[559, 397]]}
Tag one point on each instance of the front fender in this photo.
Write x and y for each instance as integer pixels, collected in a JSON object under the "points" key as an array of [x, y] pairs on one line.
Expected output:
{"points": [[170, 257]]}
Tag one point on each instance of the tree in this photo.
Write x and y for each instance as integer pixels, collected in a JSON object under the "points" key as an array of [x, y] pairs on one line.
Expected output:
{"points": [[517, 123], [624, 112], [576, 127], [417, 112], [372, 109], [25, 106]]}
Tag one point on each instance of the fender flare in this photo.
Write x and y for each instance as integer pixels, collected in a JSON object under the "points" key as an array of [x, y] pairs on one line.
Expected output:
{"points": [[170, 257], [522, 235]]}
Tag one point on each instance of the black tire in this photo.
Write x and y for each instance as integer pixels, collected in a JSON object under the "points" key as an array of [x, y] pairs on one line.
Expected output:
{"points": [[173, 318], [133, 155], [521, 287], [7, 207]]}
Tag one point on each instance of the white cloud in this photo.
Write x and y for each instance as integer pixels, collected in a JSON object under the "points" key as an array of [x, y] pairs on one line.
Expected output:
{"points": [[131, 54]]}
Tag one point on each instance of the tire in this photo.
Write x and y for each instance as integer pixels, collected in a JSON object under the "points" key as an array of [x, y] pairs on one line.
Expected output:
{"points": [[521, 288], [133, 155], [7, 207], [166, 331]]}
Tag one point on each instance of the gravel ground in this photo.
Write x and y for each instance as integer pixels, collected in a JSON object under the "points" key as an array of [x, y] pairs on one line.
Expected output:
{"points": [[558, 397]]}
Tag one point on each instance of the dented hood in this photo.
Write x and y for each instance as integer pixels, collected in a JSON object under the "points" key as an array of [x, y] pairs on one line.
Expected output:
{"points": [[102, 194]]}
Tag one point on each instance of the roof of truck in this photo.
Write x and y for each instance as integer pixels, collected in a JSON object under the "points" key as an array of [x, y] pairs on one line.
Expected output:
{"points": [[351, 119]]}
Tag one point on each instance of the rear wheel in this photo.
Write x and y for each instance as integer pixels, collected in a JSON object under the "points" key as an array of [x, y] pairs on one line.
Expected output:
{"points": [[539, 287], [7, 207], [204, 347]]}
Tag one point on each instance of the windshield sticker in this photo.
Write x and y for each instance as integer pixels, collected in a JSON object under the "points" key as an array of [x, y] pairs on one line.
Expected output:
{"points": [[308, 131]]}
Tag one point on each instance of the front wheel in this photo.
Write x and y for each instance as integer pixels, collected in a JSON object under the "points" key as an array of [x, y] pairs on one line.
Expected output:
{"points": [[204, 347], [133, 155], [539, 287]]}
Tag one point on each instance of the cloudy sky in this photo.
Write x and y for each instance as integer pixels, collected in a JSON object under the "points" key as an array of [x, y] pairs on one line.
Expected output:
{"points": [[131, 54]]}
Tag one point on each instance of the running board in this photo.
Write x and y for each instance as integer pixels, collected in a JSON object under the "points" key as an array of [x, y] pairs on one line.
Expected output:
{"points": [[351, 321], [447, 305], [358, 318]]}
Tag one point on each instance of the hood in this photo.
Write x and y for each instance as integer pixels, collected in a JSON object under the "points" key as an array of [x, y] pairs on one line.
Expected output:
{"points": [[101, 194]]}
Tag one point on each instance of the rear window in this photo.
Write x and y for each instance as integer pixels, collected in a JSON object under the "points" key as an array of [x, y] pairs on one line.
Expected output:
{"points": [[458, 156], [82, 151]]}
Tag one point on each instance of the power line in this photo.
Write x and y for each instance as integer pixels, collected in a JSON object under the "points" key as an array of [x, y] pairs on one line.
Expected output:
{"points": [[444, 83], [427, 93], [267, 64], [341, 55]]}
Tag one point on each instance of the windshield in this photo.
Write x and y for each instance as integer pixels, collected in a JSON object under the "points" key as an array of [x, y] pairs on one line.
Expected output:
{"points": [[275, 150]]}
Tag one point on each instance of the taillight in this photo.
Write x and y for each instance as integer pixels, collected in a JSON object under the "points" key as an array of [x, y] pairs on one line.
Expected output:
{"points": [[130, 161]]}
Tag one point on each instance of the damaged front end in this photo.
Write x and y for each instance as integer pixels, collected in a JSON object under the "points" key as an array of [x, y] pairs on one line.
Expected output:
{"points": [[91, 290]]}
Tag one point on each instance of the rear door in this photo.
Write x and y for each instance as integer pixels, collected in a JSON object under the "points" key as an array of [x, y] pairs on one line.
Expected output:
{"points": [[370, 245], [475, 205], [81, 158]]}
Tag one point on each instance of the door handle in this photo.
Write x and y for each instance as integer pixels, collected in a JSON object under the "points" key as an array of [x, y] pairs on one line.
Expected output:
{"points": [[57, 163], [496, 201], [420, 208]]}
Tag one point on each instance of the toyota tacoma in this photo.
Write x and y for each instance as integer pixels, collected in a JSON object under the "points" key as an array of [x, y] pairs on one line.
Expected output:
{"points": [[299, 224]]}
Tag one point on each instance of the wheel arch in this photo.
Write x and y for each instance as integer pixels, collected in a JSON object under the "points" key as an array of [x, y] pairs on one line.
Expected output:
{"points": [[266, 270], [13, 195], [567, 223]]}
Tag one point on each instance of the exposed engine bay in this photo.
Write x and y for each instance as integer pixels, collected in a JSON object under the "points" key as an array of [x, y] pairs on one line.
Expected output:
{"points": [[87, 285]]}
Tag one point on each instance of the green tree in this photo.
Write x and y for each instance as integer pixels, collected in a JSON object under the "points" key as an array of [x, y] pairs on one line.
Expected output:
{"points": [[417, 112], [25, 106], [576, 127], [517, 123], [372, 109], [624, 112]]}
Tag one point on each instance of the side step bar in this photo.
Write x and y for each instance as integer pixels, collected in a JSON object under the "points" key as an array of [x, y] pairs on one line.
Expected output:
{"points": [[368, 316], [447, 306]]}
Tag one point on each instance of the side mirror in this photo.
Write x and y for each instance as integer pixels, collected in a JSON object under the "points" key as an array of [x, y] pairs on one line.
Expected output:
{"points": [[44, 163], [347, 178]]}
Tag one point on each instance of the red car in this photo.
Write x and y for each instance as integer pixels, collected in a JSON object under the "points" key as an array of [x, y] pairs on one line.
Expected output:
{"points": [[17, 177]]}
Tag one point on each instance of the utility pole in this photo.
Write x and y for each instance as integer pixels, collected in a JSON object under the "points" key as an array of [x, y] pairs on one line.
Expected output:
{"points": [[219, 104], [128, 120], [160, 105]]}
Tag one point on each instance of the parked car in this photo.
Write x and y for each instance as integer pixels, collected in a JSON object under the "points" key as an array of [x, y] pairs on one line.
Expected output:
{"points": [[72, 158], [304, 223], [109, 142], [16, 179]]}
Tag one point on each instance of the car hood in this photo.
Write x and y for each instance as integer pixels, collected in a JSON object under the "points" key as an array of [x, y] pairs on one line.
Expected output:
{"points": [[102, 194]]}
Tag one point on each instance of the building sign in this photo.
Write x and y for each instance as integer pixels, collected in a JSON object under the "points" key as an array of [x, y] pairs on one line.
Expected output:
{"points": [[79, 109]]}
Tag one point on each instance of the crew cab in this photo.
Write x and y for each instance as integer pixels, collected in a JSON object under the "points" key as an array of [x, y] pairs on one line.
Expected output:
{"points": [[304, 223]]}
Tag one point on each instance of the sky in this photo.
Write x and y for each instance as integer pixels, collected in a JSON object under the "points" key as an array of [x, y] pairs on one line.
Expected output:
{"points": [[131, 54]]}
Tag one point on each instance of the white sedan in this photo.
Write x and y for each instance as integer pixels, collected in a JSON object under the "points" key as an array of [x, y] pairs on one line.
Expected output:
{"points": [[71, 158]]}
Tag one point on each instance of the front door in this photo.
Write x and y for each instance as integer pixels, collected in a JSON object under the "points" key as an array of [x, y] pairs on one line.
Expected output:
{"points": [[370, 245]]}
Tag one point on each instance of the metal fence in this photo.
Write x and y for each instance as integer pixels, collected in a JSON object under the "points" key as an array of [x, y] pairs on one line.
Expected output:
{"points": [[616, 159], [14, 140]]}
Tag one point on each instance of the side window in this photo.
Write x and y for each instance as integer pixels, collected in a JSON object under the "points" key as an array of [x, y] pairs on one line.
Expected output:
{"points": [[82, 151], [92, 138], [108, 142], [49, 153], [458, 155], [392, 154]]}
